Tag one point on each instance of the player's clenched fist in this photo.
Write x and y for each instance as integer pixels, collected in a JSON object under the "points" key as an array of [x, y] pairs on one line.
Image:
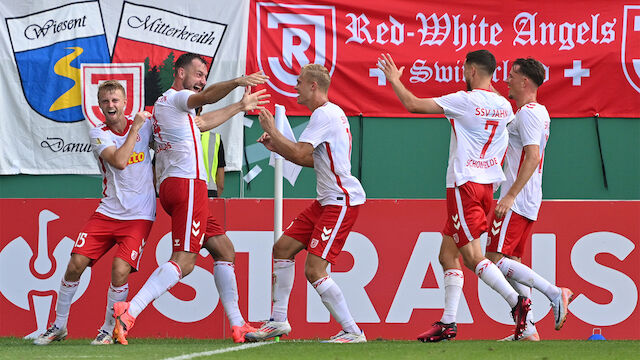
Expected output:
{"points": [[140, 118]]}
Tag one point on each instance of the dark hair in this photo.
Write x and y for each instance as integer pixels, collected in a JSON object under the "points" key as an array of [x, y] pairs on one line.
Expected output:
{"points": [[185, 59], [484, 59], [531, 68]]}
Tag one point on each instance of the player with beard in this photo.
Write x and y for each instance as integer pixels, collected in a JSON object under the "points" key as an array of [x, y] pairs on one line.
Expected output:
{"points": [[181, 178], [478, 143]]}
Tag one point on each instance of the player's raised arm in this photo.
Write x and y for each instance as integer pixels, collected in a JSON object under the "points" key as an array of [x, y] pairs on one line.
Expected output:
{"points": [[411, 102], [217, 91], [250, 101]]}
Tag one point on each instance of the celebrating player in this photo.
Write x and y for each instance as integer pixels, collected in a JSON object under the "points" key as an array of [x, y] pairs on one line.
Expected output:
{"points": [[124, 216], [323, 227], [521, 193], [182, 177], [478, 119]]}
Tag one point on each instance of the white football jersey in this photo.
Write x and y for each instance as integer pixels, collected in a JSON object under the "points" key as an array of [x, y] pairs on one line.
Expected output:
{"points": [[478, 137], [530, 127], [177, 138], [128, 193], [329, 133]]}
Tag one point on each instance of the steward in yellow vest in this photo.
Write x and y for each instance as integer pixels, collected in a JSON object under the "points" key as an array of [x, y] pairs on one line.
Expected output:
{"points": [[213, 162]]}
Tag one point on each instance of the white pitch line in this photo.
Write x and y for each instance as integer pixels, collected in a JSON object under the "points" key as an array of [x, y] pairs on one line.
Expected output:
{"points": [[220, 351]]}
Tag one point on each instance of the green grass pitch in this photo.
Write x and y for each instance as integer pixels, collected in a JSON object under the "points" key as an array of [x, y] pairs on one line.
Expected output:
{"points": [[15, 348]]}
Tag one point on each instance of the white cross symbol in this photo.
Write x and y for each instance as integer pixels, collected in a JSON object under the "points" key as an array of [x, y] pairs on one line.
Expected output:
{"points": [[375, 72], [577, 73]]}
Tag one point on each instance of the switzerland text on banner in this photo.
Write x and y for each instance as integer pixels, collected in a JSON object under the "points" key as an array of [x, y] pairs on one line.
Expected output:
{"points": [[591, 52], [45, 44]]}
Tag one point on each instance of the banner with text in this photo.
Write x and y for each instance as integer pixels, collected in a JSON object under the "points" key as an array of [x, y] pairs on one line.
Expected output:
{"points": [[46, 47], [591, 52], [390, 274]]}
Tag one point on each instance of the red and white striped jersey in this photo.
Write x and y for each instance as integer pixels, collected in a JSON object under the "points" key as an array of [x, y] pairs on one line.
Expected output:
{"points": [[478, 137], [128, 193], [329, 133], [530, 127], [177, 138]]}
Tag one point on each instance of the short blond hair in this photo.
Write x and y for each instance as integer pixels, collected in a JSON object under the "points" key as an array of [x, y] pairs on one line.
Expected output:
{"points": [[111, 85], [317, 73]]}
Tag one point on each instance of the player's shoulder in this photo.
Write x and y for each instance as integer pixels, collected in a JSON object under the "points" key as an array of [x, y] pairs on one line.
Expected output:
{"points": [[172, 93], [98, 130], [329, 109], [534, 109]]}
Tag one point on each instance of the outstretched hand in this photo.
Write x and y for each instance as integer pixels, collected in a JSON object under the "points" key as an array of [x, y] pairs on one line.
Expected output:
{"points": [[254, 101], [389, 68], [254, 79]]}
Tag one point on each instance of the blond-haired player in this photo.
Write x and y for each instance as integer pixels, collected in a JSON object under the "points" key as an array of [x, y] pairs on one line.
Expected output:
{"points": [[124, 216], [322, 228]]}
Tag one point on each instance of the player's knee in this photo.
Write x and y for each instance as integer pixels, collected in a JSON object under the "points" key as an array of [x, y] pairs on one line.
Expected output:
{"points": [[120, 273], [221, 248], [281, 251], [449, 261], [313, 274], [471, 262], [75, 268]]}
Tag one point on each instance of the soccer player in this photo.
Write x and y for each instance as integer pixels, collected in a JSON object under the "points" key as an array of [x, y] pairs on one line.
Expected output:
{"points": [[478, 120], [323, 227], [124, 216], [181, 178], [521, 194]]}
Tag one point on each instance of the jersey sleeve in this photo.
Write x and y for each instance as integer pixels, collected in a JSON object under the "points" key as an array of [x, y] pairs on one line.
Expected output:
{"points": [[530, 127], [180, 99], [455, 104], [100, 140], [318, 129]]}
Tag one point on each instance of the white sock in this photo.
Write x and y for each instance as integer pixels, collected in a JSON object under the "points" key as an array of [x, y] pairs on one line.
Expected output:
{"points": [[283, 275], [114, 295], [65, 297], [491, 275], [333, 299], [160, 281], [524, 275], [453, 281], [225, 277]]}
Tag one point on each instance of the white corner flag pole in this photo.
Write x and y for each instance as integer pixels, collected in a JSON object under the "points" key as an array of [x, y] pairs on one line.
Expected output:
{"points": [[277, 179]]}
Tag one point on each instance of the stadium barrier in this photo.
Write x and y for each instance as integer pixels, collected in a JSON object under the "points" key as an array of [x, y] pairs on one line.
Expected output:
{"points": [[389, 272]]}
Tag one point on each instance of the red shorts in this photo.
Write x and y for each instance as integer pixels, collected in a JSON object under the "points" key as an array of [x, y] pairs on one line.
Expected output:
{"points": [[467, 208], [323, 229], [213, 228], [101, 232], [186, 201], [509, 236]]}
